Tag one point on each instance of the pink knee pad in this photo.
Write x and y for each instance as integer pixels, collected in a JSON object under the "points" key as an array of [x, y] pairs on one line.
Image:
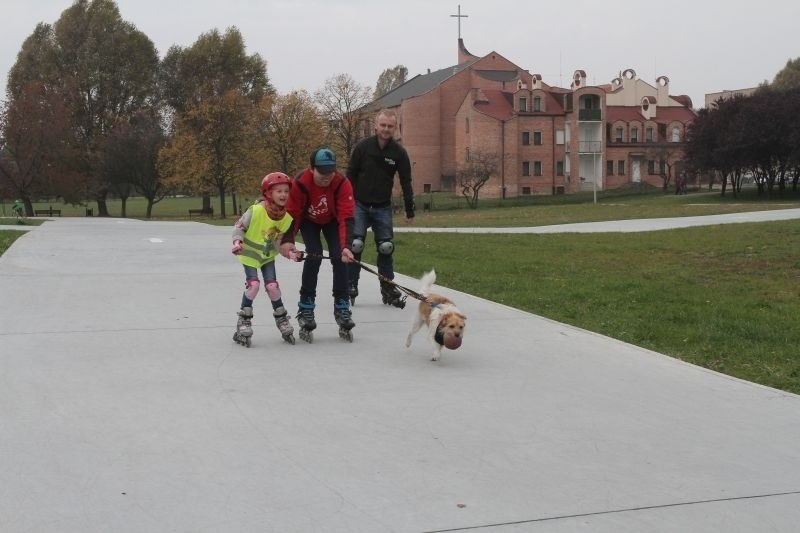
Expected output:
{"points": [[251, 288], [273, 291]]}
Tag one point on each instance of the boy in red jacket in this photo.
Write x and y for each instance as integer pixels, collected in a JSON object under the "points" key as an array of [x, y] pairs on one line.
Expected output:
{"points": [[321, 204]]}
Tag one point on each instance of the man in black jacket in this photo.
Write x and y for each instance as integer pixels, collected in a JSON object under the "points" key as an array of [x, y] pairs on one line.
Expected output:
{"points": [[373, 165]]}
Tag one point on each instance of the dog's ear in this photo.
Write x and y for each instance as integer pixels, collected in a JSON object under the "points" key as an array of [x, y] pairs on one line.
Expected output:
{"points": [[463, 316]]}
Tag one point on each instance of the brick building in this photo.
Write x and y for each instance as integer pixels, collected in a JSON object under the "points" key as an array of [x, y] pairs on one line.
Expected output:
{"points": [[552, 140]]}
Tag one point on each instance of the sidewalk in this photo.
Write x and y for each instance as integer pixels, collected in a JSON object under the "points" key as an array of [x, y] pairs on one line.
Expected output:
{"points": [[126, 407]]}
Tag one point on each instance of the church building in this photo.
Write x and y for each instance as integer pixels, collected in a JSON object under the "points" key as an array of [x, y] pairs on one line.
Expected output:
{"points": [[546, 139]]}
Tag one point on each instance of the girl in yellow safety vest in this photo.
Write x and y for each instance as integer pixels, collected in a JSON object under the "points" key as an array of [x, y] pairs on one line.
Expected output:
{"points": [[256, 238]]}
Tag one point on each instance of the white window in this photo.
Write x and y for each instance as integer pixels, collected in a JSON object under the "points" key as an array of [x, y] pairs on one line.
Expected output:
{"points": [[676, 134], [559, 136]]}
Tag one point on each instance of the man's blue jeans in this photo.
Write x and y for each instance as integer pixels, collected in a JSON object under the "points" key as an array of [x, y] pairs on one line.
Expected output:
{"points": [[380, 220]]}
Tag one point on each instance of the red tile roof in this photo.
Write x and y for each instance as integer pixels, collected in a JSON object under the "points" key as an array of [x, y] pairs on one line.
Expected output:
{"points": [[500, 104], [663, 114], [497, 104], [668, 114]]}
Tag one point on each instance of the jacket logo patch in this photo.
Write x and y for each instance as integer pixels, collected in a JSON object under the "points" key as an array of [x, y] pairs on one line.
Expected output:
{"points": [[390, 161], [319, 209]]}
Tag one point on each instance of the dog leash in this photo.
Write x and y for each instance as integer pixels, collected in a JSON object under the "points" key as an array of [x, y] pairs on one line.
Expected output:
{"points": [[302, 256]]}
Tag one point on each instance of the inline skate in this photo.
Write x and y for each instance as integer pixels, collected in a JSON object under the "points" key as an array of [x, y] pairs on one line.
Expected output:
{"points": [[391, 295], [244, 327], [305, 319], [344, 319], [352, 291], [284, 326]]}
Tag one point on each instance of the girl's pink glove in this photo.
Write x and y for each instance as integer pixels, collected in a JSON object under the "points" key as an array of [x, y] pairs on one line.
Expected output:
{"points": [[236, 249]]}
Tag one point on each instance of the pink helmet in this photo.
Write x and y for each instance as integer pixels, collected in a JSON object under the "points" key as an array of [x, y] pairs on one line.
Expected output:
{"points": [[272, 179]]}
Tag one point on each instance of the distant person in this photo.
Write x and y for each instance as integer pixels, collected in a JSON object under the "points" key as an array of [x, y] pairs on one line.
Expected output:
{"points": [[321, 205], [256, 237], [373, 165], [19, 209]]}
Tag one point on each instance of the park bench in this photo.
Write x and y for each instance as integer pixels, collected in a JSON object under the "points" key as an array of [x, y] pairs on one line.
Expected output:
{"points": [[47, 212], [202, 211]]}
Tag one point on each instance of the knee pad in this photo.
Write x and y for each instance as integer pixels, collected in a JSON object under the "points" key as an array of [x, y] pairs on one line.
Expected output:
{"points": [[273, 291], [385, 247], [358, 245], [251, 288]]}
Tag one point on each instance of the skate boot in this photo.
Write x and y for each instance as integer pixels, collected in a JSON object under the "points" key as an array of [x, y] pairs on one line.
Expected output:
{"points": [[244, 327], [392, 296], [305, 319], [284, 326], [353, 291], [341, 312]]}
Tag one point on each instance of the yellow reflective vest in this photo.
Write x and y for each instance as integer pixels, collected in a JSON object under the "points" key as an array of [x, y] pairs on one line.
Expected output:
{"points": [[259, 239]]}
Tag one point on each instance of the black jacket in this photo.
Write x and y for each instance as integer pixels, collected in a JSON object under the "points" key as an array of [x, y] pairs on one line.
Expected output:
{"points": [[372, 170]]}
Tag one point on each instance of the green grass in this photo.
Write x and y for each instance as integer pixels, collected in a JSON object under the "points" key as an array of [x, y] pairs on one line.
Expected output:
{"points": [[7, 238]]}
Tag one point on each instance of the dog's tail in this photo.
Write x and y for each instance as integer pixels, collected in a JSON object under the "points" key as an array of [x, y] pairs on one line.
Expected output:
{"points": [[427, 280]]}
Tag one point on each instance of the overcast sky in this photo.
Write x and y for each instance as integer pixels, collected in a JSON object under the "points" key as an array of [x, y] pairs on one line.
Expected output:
{"points": [[702, 46]]}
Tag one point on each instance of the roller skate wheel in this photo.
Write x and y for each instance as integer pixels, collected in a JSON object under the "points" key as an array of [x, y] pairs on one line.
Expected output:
{"points": [[346, 334], [306, 336], [289, 339]]}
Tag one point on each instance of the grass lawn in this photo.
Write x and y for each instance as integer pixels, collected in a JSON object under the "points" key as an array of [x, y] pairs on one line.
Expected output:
{"points": [[7, 238]]}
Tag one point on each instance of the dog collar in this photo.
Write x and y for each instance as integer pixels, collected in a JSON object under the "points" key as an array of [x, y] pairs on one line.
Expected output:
{"points": [[439, 336]]}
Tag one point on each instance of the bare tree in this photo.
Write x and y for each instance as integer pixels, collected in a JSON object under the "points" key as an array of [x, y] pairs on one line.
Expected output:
{"points": [[341, 100], [666, 156], [475, 172]]}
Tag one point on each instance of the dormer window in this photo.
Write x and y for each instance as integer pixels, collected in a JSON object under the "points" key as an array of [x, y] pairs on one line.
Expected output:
{"points": [[523, 104], [645, 105], [537, 103]]}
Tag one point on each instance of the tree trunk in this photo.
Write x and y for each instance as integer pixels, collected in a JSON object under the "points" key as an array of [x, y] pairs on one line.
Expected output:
{"points": [[102, 208], [221, 201]]}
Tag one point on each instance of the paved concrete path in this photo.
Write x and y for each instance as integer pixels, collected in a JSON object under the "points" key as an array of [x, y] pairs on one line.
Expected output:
{"points": [[126, 407], [629, 226]]}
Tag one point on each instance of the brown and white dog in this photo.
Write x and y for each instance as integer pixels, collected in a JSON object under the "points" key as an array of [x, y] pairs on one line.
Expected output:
{"points": [[444, 321]]}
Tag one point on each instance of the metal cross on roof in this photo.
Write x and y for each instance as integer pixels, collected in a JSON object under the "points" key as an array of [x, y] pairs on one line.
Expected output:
{"points": [[459, 16]]}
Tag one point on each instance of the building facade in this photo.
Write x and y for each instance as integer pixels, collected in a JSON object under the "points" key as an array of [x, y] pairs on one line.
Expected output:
{"points": [[548, 140]]}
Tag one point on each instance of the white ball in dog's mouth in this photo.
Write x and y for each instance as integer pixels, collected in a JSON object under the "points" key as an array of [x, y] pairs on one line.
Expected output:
{"points": [[452, 342]]}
